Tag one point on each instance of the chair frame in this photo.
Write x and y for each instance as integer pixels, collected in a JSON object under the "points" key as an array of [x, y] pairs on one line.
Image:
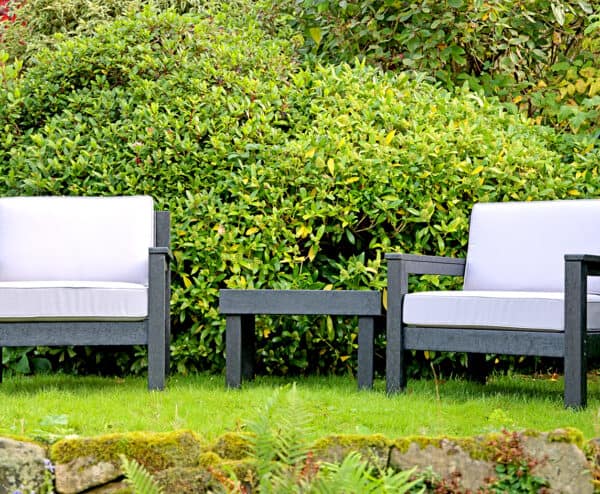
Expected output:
{"points": [[154, 331], [573, 345]]}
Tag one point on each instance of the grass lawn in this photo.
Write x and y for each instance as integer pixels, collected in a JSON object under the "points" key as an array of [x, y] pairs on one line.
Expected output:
{"points": [[50, 407]]}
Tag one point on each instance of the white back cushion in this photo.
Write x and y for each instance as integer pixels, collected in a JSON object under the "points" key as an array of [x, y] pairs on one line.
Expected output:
{"points": [[521, 245], [76, 238]]}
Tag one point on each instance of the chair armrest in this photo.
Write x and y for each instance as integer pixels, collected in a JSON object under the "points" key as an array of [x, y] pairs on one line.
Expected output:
{"points": [[590, 261], [163, 251], [417, 264]]}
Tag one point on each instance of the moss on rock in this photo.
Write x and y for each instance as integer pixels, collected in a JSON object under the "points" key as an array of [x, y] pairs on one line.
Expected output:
{"points": [[189, 480], [373, 448], [566, 435], [232, 446], [155, 451], [209, 459]]}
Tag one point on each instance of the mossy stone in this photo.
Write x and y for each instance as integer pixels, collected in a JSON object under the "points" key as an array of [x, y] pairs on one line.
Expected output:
{"points": [[155, 451], [190, 480], [232, 446], [373, 448]]}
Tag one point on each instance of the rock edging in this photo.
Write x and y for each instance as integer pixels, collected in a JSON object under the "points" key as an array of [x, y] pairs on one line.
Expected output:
{"points": [[182, 461]]}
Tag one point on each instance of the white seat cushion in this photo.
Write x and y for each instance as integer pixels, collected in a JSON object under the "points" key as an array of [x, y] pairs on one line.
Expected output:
{"points": [[76, 238], [493, 309], [520, 246], [77, 300]]}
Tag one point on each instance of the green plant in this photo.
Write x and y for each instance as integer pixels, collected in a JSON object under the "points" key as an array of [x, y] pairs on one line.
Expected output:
{"points": [[25, 360], [279, 443], [52, 428], [44, 23], [138, 477], [284, 462], [514, 467], [531, 54], [355, 475], [47, 486]]}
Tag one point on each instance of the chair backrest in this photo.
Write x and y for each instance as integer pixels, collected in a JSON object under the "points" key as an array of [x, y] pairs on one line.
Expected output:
{"points": [[76, 238], [521, 245]]}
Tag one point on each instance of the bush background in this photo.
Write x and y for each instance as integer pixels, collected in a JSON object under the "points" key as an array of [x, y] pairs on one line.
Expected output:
{"points": [[290, 147]]}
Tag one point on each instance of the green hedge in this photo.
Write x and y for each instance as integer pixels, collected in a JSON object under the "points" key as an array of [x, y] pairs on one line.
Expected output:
{"points": [[277, 175], [39, 23], [539, 55]]}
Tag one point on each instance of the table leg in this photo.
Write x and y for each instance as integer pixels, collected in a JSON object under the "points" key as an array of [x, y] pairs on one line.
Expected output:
{"points": [[239, 347], [366, 340]]}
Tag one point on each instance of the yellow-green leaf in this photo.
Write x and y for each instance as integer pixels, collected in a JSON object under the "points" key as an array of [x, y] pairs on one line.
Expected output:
{"points": [[303, 231], [581, 86], [316, 34], [388, 138], [330, 331], [186, 280], [331, 166]]}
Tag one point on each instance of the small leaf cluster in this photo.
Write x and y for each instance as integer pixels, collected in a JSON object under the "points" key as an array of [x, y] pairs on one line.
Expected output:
{"points": [[514, 467], [138, 477], [277, 174]]}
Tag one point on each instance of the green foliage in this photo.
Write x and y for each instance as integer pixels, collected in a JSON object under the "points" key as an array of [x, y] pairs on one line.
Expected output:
{"points": [[516, 478], [285, 463], [514, 466], [25, 360], [278, 442], [355, 475], [277, 175], [531, 53], [40, 23], [138, 477]]}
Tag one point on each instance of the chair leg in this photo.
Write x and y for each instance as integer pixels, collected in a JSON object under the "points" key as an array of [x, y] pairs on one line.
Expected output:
{"points": [[1, 366], [395, 364], [477, 368], [156, 354], [239, 348], [366, 355], [168, 321], [167, 351], [575, 361], [157, 313]]}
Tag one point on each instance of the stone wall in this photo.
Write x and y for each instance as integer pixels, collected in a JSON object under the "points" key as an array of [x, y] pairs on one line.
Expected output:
{"points": [[184, 462]]}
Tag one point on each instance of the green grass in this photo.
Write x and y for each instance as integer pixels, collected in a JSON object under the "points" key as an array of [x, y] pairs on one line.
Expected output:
{"points": [[50, 407]]}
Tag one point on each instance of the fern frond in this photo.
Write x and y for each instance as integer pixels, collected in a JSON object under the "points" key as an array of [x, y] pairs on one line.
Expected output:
{"points": [[279, 440], [139, 478], [295, 428], [262, 439], [355, 475]]}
